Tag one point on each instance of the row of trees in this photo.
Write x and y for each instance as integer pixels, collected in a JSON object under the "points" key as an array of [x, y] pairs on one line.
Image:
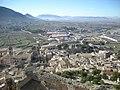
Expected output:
{"points": [[69, 74], [85, 48], [94, 77], [36, 31], [63, 46]]}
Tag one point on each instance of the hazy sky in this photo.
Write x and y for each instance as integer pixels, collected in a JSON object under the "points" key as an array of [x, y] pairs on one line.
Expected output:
{"points": [[65, 7]]}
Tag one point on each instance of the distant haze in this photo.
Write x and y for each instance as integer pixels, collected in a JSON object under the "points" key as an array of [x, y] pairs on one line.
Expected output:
{"points": [[107, 8]]}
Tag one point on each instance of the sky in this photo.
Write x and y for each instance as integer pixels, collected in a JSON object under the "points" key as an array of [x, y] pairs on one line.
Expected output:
{"points": [[108, 8]]}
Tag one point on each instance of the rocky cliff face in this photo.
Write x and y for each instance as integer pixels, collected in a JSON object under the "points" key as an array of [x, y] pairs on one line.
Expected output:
{"points": [[60, 83], [51, 81]]}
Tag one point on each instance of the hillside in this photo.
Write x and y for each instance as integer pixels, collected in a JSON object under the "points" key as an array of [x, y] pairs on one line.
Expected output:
{"points": [[9, 13], [11, 20]]}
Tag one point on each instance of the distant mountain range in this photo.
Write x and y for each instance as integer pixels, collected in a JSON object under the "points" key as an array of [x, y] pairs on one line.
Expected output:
{"points": [[75, 18], [49, 17], [6, 13]]}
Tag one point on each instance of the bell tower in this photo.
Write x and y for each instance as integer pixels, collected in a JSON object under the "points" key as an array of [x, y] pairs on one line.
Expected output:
{"points": [[10, 55]]}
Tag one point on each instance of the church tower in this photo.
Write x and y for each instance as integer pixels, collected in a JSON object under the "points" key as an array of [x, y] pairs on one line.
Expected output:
{"points": [[10, 54]]}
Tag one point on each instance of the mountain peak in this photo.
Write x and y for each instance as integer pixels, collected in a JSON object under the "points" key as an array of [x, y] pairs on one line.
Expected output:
{"points": [[29, 16], [9, 13]]}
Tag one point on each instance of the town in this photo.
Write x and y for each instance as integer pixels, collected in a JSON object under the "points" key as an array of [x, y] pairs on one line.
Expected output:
{"points": [[59, 44], [81, 57]]}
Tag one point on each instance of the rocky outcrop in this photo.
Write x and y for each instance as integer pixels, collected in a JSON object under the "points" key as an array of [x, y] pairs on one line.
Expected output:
{"points": [[52, 81]]}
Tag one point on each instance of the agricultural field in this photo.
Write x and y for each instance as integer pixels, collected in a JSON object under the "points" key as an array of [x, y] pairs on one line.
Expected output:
{"points": [[18, 39], [115, 47]]}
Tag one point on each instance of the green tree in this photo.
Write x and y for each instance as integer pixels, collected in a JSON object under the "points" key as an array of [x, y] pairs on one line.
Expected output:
{"points": [[101, 82], [59, 47], [119, 76], [95, 81], [68, 74], [83, 74], [96, 71], [117, 87], [114, 76], [58, 73], [83, 80], [98, 77], [90, 78], [104, 76], [65, 46], [118, 54]]}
